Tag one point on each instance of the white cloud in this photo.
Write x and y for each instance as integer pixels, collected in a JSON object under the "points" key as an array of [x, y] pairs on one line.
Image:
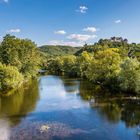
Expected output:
{"points": [[82, 9], [81, 37], [65, 43], [6, 1], [90, 29], [1, 38], [60, 32], [14, 31], [118, 21]]}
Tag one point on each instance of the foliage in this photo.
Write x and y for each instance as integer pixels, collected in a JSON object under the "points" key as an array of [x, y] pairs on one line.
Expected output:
{"points": [[9, 77], [104, 66], [84, 61], [64, 65], [54, 65], [21, 53], [68, 66], [19, 60], [125, 49], [58, 50], [111, 64], [130, 76]]}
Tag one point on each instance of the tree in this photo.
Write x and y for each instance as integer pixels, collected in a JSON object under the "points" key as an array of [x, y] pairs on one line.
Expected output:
{"points": [[64, 65], [84, 61], [69, 65], [54, 66], [104, 67], [21, 53], [129, 76], [29, 58], [9, 77]]}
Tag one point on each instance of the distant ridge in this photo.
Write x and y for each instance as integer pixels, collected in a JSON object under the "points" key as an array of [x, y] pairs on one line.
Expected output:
{"points": [[58, 50]]}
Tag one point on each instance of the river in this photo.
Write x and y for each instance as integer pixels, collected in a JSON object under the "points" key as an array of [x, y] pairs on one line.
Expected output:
{"points": [[61, 108]]}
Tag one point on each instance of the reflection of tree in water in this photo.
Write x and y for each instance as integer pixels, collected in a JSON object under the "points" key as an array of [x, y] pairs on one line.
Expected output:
{"points": [[70, 85], [18, 105], [112, 111], [131, 113], [127, 110], [88, 90], [115, 109]]}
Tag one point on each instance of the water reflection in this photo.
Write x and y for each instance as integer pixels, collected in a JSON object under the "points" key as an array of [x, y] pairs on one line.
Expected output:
{"points": [[17, 106], [4, 130], [114, 109], [72, 108], [71, 85], [58, 94]]}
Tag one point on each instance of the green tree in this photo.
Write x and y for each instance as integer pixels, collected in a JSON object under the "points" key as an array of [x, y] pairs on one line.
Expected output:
{"points": [[9, 77], [130, 75], [69, 65], [104, 67], [21, 53], [84, 61]]}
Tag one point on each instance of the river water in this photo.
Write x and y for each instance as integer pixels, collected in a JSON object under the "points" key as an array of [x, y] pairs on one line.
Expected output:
{"points": [[60, 108]]}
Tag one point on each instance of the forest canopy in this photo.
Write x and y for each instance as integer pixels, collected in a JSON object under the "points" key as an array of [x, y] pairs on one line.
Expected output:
{"points": [[19, 59], [112, 64]]}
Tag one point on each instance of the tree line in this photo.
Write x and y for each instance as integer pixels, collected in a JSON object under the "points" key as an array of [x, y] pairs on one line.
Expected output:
{"points": [[110, 64]]}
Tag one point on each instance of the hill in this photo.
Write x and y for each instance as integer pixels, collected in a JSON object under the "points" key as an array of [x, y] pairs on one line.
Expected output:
{"points": [[58, 50], [132, 50]]}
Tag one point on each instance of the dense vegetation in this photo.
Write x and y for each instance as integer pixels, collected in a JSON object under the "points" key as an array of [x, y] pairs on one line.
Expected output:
{"points": [[111, 64], [58, 50], [19, 60]]}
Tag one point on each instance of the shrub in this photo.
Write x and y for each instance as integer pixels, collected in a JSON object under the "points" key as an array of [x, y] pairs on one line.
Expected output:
{"points": [[9, 77]]}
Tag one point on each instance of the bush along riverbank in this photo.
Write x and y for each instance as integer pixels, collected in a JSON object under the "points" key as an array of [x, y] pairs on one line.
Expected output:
{"points": [[19, 62], [111, 65]]}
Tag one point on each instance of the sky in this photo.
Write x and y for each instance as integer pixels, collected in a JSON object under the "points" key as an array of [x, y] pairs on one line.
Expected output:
{"points": [[70, 22]]}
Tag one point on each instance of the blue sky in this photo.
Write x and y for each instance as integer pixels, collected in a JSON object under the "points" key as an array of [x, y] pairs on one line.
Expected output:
{"points": [[70, 22]]}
